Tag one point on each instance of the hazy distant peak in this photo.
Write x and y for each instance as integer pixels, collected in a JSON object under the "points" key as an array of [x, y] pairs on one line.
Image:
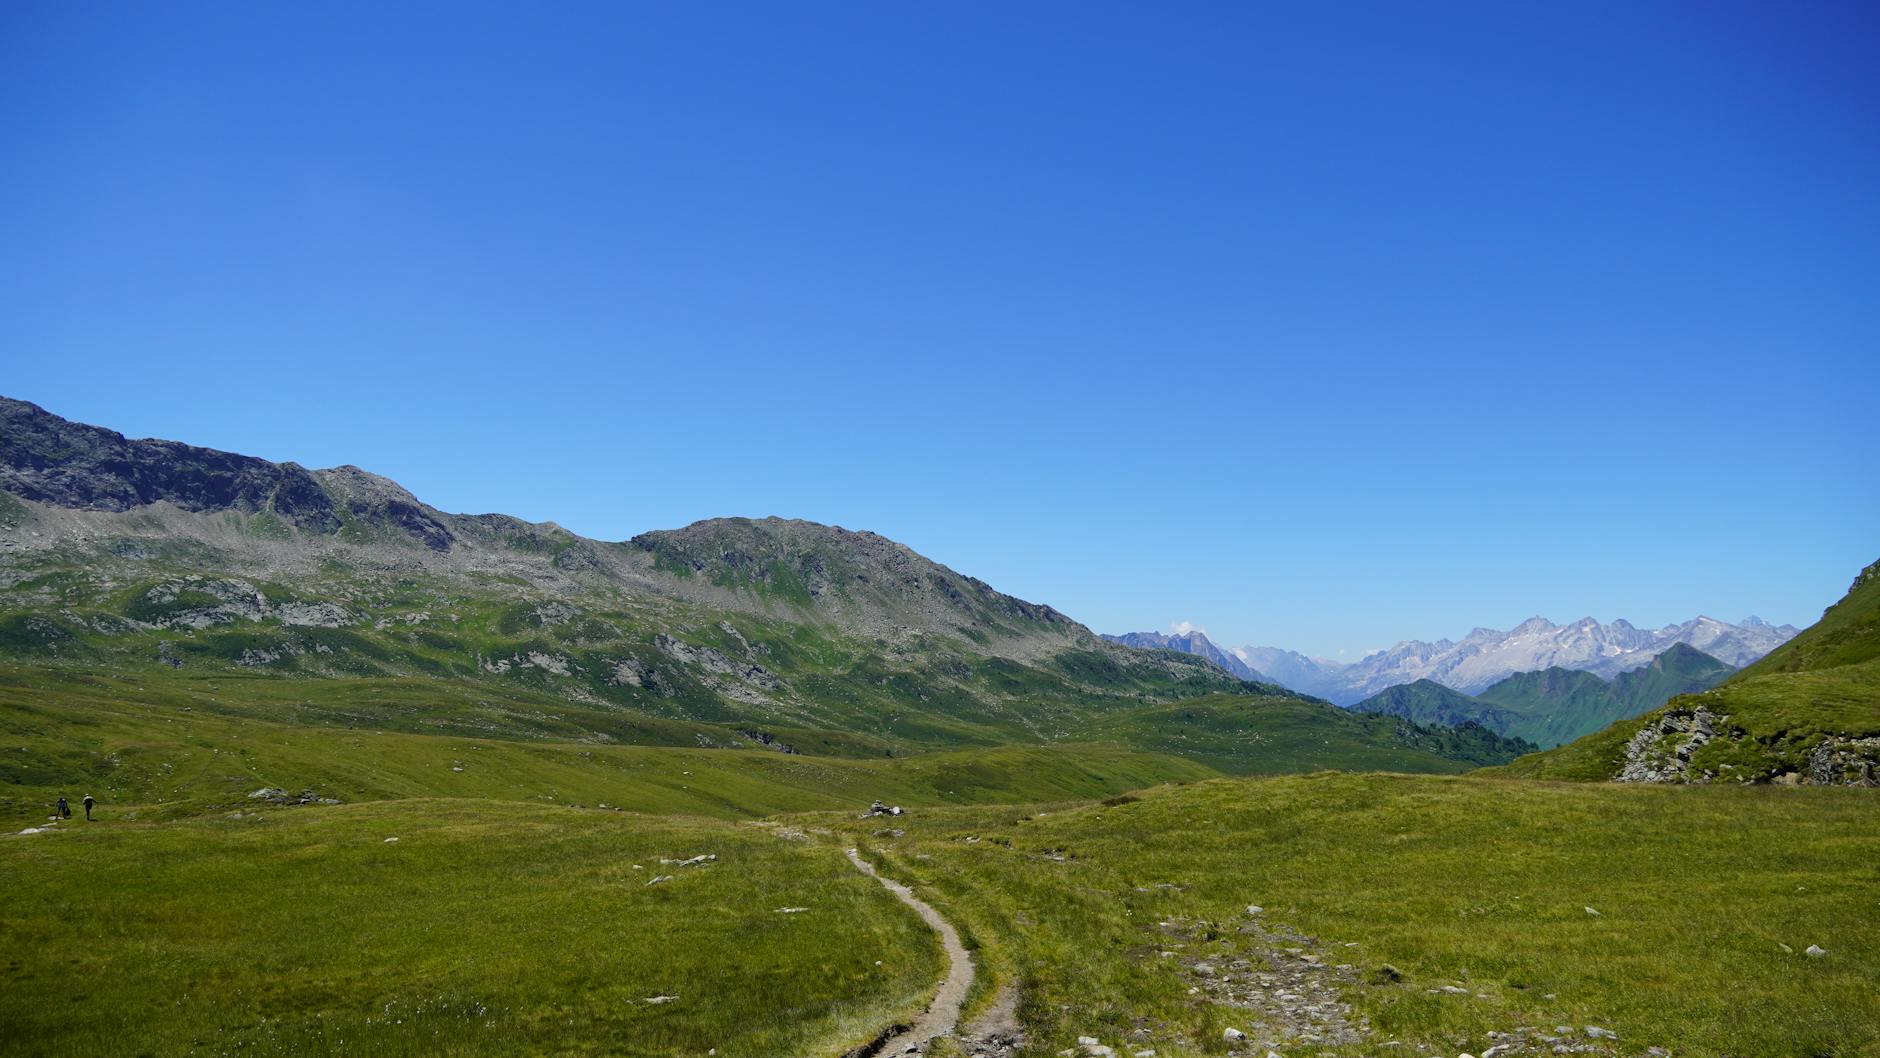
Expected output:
{"points": [[1485, 656]]}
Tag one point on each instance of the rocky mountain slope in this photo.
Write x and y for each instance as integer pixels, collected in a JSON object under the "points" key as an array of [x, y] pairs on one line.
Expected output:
{"points": [[335, 598], [1487, 656], [1196, 643], [1808, 713]]}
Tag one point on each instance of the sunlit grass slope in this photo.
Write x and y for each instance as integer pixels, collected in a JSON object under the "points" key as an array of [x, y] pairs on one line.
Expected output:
{"points": [[166, 761], [1464, 883], [1242, 735], [485, 928]]}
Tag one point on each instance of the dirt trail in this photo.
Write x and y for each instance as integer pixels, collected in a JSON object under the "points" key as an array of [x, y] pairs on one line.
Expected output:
{"points": [[943, 1014]]}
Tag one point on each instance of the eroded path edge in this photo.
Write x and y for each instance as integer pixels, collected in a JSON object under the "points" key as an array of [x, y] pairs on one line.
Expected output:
{"points": [[943, 1014]]}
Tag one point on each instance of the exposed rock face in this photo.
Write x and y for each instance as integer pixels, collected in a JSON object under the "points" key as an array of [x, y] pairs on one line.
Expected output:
{"points": [[50, 460], [204, 602], [1662, 749], [857, 577], [1845, 762]]}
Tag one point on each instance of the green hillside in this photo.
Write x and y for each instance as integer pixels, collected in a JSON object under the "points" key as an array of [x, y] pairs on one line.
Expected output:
{"points": [[1807, 713], [1428, 702], [1556, 705], [1681, 669], [1243, 735]]}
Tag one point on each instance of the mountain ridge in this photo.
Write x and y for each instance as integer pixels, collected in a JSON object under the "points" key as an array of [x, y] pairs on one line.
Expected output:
{"points": [[1196, 643], [1555, 705], [338, 598], [1486, 656]]}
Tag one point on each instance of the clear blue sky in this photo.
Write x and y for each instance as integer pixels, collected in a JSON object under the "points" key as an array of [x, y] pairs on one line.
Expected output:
{"points": [[1318, 326]]}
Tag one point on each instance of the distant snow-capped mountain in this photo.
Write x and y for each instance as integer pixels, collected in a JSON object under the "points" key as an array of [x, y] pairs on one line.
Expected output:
{"points": [[1485, 656], [1195, 642]]}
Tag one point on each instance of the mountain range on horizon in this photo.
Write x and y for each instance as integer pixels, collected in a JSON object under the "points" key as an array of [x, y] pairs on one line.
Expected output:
{"points": [[1486, 656], [1554, 706]]}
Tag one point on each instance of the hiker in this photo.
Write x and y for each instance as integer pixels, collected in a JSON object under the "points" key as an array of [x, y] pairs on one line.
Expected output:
{"points": [[64, 810], [88, 803]]}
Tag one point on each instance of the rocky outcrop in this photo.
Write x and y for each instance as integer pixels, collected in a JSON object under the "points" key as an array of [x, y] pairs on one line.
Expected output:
{"points": [[50, 460], [1661, 750], [1845, 762]]}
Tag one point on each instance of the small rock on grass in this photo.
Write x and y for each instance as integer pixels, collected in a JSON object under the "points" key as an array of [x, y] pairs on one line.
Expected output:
{"points": [[1815, 951], [1233, 1035]]}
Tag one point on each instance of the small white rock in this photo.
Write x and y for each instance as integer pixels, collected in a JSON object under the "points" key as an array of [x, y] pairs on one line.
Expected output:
{"points": [[1815, 951], [1593, 912], [389, 841], [1233, 1035]]}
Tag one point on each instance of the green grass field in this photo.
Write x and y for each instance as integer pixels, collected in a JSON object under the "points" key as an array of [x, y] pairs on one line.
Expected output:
{"points": [[1480, 885], [485, 928], [164, 762]]}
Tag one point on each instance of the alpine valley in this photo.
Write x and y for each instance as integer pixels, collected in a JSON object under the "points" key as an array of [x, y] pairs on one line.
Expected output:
{"points": [[363, 777]]}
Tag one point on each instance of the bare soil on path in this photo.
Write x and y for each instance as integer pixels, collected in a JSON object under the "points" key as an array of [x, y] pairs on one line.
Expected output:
{"points": [[943, 1014]]}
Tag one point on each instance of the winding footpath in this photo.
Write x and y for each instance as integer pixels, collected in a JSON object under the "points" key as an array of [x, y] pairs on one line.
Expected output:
{"points": [[943, 1014]]}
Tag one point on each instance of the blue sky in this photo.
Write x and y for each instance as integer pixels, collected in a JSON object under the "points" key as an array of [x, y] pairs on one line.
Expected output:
{"points": [[1320, 328]]}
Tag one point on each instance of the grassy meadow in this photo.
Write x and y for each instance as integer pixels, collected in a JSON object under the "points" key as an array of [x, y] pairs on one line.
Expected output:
{"points": [[156, 758], [484, 928], [508, 918], [1706, 901]]}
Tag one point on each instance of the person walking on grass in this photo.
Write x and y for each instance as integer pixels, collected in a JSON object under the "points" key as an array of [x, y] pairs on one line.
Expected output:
{"points": [[64, 811], [88, 803]]}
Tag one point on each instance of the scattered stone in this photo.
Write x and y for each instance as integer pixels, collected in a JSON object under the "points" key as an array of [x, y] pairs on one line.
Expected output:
{"points": [[1593, 912], [390, 841], [657, 1000], [792, 911], [1233, 1035], [659, 879], [1815, 951], [1597, 1033]]}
